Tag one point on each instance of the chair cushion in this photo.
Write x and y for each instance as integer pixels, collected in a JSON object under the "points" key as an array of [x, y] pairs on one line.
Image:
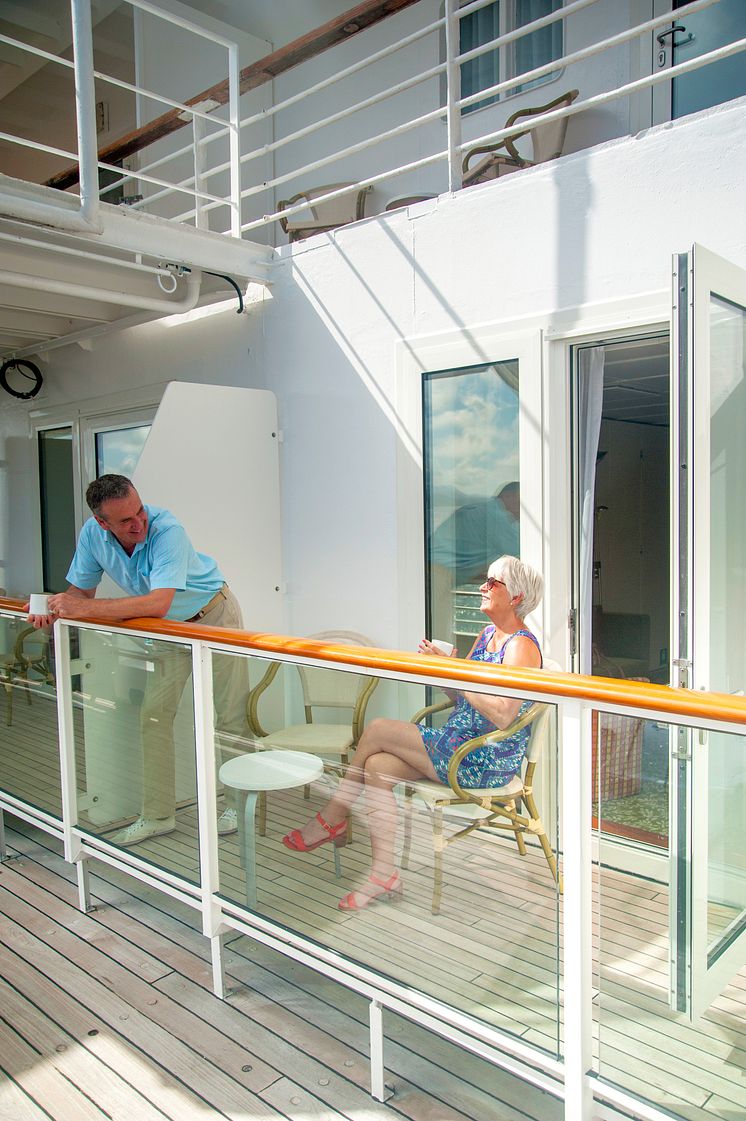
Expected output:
{"points": [[318, 739], [438, 791]]}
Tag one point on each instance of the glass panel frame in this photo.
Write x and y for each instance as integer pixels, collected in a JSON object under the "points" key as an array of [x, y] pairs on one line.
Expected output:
{"points": [[718, 416], [507, 980], [466, 413]]}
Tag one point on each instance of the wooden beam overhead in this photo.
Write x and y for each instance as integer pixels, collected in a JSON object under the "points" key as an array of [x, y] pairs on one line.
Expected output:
{"points": [[307, 46]]}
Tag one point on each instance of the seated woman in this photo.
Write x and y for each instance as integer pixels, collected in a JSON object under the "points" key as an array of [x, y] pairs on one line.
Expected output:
{"points": [[393, 751]]}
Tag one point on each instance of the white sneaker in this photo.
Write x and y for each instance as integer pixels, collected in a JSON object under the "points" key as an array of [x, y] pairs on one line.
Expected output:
{"points": [[142, 829], [227, 822]]}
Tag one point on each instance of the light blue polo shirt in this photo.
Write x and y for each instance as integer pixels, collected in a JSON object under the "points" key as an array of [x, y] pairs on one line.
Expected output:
{"points": [[165, 559]]}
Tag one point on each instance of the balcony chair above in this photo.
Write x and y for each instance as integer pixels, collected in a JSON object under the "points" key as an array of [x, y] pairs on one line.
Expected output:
{"points": [[316, 218], [500, 158]]}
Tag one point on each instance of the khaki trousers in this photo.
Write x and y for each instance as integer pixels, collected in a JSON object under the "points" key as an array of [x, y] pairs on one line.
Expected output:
{"points": [[162, 696]]}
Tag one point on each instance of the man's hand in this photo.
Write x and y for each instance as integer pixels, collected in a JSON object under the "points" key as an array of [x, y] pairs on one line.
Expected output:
{"points": [[69, 605], [38, 621]]}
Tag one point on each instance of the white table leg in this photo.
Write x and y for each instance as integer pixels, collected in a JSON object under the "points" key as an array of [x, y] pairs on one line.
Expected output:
{"points": [[247, 841]]}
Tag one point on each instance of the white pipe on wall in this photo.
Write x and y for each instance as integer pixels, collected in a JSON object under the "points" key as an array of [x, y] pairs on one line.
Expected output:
{"points": [[68, 288]]}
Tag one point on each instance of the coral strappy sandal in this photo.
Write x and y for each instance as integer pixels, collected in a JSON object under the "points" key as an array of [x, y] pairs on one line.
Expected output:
{"points": [[390, 889], [335, 833]]}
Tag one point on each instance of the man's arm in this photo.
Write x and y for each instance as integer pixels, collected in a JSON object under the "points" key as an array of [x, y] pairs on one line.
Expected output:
{"points": [[79, 603]]}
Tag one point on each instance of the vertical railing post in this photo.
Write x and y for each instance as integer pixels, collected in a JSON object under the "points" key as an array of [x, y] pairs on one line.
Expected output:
{"points": [[377, 1068], [207, 818], [68, 780], [200, 162], [234, 137], [577, 866], [3, 845], [453, 95], [85, 108]]}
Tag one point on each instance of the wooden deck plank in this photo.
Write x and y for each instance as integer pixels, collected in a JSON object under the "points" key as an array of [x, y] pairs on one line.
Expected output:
{"points": [[696, 1069], [412, 1100], [15, 1104], [42, 1030], [43, 1082], [126, 1053], [87, 960]]}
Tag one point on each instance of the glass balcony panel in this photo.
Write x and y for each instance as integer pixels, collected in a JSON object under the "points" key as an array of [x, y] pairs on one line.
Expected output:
{"points": [[481, 934], [29, 752], [135, 746], [690, 1066]]}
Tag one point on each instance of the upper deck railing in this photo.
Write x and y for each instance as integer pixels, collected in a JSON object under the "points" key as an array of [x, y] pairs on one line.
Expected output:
{"points": [[483, 968], [347, 114]]}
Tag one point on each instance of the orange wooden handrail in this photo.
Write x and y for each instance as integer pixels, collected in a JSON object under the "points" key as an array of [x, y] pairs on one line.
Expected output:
{"points": [[602, 691]]}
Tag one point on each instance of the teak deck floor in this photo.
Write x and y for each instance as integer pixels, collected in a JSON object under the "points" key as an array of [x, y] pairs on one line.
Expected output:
{"points": [[112, 1013]]}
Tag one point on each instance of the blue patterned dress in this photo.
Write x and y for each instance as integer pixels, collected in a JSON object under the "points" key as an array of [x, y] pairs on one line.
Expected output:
{"points": [[493, 764]]}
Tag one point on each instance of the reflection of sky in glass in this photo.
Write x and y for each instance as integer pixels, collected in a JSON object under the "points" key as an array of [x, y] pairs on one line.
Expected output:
{"points": [[118, 452], [474, 433]]}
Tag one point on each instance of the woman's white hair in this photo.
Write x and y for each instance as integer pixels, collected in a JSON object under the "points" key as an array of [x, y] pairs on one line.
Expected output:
{"points": [[520, 579]]}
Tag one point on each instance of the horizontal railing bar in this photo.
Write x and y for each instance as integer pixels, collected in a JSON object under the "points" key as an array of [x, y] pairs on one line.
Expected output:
{"points": [[523, 30], [600, 691], [369, 182], [66, 62], [187, 149], [348, 110], [152, 96], [125, 175], [258, 73], [527, 1062], [406, 126], [577, 107], [369, 60], [351, 149], [37, 146], [638, 84], [575, 56], [29, 49], [180, 21]]}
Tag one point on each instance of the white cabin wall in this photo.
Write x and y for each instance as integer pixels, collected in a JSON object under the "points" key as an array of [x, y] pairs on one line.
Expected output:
{"points": [[592, 228]]}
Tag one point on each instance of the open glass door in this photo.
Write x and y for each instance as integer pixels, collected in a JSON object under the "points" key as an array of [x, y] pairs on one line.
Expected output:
{"points": [[709, 770]]}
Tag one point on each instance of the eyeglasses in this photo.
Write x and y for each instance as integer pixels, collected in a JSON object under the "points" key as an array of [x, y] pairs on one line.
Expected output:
{"points": [[491, 581]]}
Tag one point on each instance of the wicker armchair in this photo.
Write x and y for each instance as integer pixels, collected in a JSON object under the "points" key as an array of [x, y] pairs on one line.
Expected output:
{"points": [[547, 139]]}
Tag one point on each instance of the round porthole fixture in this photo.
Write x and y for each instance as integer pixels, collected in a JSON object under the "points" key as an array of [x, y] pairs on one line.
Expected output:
{"points": [[20, 378]]}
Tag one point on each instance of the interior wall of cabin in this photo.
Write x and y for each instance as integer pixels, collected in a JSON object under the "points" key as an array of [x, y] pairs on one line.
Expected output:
{"points": [[631, 536], [593, 227]]}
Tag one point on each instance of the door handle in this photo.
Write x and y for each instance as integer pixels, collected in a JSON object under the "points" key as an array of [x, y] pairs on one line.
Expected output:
{"points": [[672, 31]]}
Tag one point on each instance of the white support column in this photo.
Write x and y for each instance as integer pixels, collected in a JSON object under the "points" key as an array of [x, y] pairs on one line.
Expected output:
{"points": [[453, 94], [218, 967], [66, 734], [200, 164], [577, 867], [235, 138], [84, 885], [3, 845], [377, 1070], [204, 742], [85, 108]]}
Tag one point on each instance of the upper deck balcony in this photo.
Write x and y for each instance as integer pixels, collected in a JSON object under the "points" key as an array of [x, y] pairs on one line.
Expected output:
{"points": [[172, 146]]}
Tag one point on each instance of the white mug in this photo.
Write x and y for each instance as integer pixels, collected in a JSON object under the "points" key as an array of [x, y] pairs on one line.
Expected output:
{"points": [[446, 648], [38, 603]]}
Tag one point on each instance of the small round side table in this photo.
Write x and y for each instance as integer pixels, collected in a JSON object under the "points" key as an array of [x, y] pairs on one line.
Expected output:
{"points": [[251, 775]]}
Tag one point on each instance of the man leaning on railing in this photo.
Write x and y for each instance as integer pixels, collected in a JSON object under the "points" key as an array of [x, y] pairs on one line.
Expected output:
{"points": [[147, 552]]}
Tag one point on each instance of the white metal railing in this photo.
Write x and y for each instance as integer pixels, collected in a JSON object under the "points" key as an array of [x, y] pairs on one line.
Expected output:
{"points": [[85, 75], [569, 1077], [359, 163]]}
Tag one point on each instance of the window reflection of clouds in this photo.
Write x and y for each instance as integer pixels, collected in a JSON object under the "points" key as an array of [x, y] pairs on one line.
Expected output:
{"points": [[118, 452], [474, 420]]}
